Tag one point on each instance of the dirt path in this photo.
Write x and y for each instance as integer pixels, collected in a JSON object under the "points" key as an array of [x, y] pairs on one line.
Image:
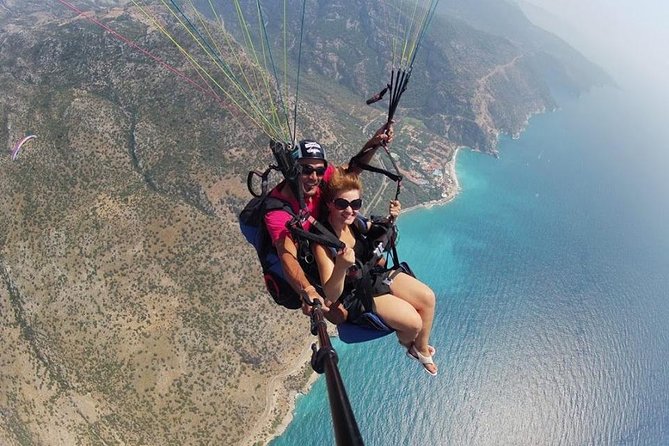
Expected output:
{"points": [[482, 97]]}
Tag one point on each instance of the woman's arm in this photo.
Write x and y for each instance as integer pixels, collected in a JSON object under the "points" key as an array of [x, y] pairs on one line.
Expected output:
{"points": [[332, 273]]}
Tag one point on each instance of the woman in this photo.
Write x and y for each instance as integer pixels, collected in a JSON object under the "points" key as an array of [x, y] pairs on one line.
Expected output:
{"points": [[406, 304]]}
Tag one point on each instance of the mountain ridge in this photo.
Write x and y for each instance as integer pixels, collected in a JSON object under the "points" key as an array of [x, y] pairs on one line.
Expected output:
{"points": [[132, 308]]}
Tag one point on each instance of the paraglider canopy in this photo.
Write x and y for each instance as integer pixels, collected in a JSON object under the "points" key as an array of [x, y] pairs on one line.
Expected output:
{"points": [[17, 147]]}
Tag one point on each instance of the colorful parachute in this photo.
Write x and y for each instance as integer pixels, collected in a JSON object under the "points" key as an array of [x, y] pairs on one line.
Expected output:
{"points": [[17, 147]]}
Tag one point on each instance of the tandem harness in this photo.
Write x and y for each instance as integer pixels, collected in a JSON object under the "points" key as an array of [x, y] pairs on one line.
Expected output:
{"points": [[371, 275], [379, 240], [252, 225]]}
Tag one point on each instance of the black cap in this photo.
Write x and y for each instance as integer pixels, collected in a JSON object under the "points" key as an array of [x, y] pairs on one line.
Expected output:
{"points": [[308, 149]]}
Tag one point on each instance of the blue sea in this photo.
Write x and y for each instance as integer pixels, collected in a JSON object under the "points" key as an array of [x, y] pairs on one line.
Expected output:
{"points": [[551, 270]]}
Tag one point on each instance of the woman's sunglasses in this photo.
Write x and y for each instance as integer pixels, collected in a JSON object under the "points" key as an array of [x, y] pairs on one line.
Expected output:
{"points": [[308, 170], [342, 203]]}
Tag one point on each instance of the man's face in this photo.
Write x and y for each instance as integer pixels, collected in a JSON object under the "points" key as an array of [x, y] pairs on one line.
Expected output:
{"points": [[311, 175]]}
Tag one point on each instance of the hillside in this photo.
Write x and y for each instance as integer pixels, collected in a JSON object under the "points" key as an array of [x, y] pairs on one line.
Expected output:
{"points": [[472, 81], [127, 314], [131, 310], [561, 66]]}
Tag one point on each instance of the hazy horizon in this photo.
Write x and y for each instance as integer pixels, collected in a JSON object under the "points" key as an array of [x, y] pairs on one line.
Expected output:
{"points": [[629, 39]]}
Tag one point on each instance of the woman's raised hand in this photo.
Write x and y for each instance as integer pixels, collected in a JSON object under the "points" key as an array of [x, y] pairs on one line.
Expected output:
{"points": [[346, 257]]}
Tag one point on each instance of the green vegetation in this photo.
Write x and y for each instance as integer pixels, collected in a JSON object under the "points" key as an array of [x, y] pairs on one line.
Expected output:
{"points": [[131, 309]]}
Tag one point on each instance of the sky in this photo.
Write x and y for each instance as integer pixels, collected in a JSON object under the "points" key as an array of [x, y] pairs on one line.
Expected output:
{"points": [[629, 38]]}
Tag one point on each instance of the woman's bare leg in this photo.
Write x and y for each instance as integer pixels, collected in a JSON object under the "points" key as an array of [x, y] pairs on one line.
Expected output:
{"points": [[422, 299], [400, 315]]}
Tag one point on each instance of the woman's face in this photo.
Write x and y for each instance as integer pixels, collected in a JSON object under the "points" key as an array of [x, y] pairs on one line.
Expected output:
{"points": [[345, 206]]}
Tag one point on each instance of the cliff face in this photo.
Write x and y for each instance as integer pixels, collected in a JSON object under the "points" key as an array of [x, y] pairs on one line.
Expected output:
{"points": [[131, 309]]}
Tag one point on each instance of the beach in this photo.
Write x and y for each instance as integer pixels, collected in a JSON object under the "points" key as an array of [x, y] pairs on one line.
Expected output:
{"points": [[280, 401], [450, 191], [280, 397]]}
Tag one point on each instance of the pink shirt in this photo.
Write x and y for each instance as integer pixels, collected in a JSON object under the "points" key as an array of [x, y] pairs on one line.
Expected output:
{"points": [[276, 220]]}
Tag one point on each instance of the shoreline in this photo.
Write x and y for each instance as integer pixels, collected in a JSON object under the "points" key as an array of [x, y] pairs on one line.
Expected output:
{"points": [[451, 192], [280, 400], [277, 383]]}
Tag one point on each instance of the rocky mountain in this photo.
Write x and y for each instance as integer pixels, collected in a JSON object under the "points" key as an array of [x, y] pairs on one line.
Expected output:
{"points": [[131, 309], [483, 69], [560, 66]]}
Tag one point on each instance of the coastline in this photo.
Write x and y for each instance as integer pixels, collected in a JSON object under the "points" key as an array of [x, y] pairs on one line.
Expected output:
{"points": [[450, 192], [280, 399]]}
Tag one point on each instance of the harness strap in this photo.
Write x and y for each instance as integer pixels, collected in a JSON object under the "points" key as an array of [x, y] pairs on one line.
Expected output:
{"points": [[395, 272], [355, 161], [397, 169], [396, 257], [264, 181], [325, 238]]}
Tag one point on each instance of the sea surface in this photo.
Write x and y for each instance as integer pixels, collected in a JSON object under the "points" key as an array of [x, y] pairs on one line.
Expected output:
{"points": [[551, 270]]}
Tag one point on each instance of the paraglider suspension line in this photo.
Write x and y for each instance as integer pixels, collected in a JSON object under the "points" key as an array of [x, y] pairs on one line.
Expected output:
{"points": [[299, 66]]}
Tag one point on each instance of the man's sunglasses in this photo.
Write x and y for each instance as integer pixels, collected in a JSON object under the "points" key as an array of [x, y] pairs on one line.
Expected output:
{"points": [[308, 170], [341, 204]]}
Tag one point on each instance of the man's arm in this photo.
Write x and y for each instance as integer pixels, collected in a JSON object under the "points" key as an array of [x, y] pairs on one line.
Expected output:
{"points": [[286, 249], [384, 135], [287, 252]]}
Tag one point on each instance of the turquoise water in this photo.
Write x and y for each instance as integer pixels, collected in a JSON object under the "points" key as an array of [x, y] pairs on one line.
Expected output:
{"points": [[551, 269]]}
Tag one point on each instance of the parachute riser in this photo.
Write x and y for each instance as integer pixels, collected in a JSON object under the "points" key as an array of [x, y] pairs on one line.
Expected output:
{"points": [[399, 79], [284, 164], [398, 85], [399, 179], [289, 168]]}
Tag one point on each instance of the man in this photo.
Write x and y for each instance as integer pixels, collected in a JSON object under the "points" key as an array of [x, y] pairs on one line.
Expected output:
{"points": [[313, 169]]}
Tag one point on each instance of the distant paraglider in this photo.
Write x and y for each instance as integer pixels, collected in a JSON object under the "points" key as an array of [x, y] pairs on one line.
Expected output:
{"points": [[17, 147]]}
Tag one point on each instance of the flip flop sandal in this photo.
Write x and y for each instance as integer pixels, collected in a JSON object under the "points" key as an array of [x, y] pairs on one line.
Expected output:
{"points": [[432, 350], [425, 360]]}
